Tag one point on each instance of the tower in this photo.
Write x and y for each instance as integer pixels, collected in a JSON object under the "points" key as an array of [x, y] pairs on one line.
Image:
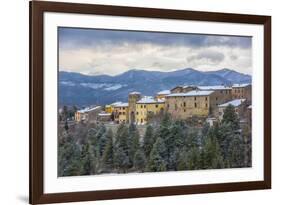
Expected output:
{"points": [[133, 98]]}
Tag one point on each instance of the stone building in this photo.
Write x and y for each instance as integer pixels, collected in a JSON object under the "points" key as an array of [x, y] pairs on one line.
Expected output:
{"points": [[133, 98], [242, 91], [186, 105], [221, 94], [88, 114], [121, 113], [104, 117], [148, 107], [109, 108]]}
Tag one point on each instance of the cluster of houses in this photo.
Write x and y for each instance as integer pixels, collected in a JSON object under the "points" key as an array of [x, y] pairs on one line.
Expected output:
{"points": [[181, 102]]}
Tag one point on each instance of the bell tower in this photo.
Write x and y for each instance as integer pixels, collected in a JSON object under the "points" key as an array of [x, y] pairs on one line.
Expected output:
{"points": [[133, 98]]}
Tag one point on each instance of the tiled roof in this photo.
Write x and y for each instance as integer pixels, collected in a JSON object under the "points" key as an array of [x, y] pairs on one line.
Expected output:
{"points": [[164, 92], [240, 85], [149, 100], [89, 109], [192, 93], [235, 103], [214, 87]]}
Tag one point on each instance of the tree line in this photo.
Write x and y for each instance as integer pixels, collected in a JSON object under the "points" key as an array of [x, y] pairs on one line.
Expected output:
{"points": [[167, 146]]}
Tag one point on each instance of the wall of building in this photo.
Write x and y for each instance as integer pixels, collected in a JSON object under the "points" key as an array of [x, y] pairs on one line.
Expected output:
{"points": [[133, 98], [242, 92], [121, 114], [187, 106], [143, 111]]}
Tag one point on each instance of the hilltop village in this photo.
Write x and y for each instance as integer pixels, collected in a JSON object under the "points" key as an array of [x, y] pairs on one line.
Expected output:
{"points": [[185, 128], [181, 102]]}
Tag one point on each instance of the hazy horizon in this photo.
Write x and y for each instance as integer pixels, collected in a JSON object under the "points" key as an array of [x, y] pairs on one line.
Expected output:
{"points": [[91, 74], [113, 52]]}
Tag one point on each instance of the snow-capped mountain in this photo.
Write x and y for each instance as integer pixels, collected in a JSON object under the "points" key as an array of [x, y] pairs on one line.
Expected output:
{"points": [[83, 90]]}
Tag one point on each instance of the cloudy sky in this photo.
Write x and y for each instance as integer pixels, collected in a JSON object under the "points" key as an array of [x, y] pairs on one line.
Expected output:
{"points": [[92, 51]]}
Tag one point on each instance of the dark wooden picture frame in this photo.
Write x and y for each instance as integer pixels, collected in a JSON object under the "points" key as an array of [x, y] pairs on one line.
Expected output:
{"points": [[37, 9]]}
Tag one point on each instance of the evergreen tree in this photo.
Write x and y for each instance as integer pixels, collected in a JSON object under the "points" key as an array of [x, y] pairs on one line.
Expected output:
{"points": [[247, 136], [157, 160], [108, 155], [212, 158], [99, 141], [69, 158], [66, 125], [164, 129], [87, 160], [121, 149], [148, 140], [174, 142], [229, 116], [193, 158], [192, 140], [183, 160], [133, 142], [205, 129], [236, 156], [139, 160]]}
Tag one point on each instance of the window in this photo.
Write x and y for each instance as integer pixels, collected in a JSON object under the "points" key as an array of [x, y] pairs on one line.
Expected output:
{"points": [[195, 105], [206, 104], [184, 110], [144, 106], [141, 106], [194, 98], [156, 106], [176, 107], [206, 99], [184, 104], [216, 98], [168, 105], [120, 113], [123, 108], [221, 91]]}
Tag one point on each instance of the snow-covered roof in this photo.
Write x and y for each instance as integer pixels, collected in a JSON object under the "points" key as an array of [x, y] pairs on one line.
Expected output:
{"points": [[164, 92], [104, 114], [235, 103], [192, 93], [134, 93], [149, 100], [189, 86], [89, 109], [240, 85], [120, 104], [250, 106], [116, 103], [214, 87]]}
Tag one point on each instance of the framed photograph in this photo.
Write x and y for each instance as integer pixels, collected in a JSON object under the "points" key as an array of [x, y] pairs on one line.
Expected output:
{"points": [[138, 102]]}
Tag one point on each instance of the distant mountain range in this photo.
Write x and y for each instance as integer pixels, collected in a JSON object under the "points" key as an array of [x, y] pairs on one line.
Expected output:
{"points": [[84, 90]]}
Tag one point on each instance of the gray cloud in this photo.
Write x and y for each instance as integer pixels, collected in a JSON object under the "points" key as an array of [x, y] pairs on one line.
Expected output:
{"points": [[71, 37], [113, 52], [212, 56]]}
